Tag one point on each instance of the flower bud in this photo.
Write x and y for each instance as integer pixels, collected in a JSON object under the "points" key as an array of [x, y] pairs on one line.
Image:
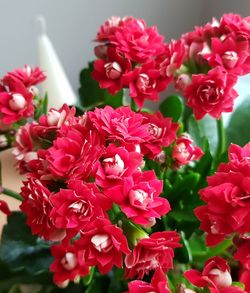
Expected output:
{"points": [[182, 82], [101, 51], [230, 58], [113, 70], [33, 90], [221, 279], [17, 102], [53, 117], [161, 158]]}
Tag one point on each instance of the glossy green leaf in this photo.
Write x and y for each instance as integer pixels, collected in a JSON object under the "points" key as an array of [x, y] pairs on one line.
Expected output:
{"points": [[173, 107], [238, 128]]}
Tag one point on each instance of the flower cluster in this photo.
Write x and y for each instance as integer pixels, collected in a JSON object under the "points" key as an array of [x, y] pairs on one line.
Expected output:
{"points": [[133, 55], [17, 92], [216, 54], [87, 189]]}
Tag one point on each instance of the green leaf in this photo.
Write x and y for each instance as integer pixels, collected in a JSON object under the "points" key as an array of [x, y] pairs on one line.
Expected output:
{"points": [[173, 107], [239, 284], [87, 280], [183, 254], [99, 284], [91, 95], [238, 128], [24, 258]]}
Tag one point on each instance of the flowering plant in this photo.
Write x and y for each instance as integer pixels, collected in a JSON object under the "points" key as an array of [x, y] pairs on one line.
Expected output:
{"points": [[117, 197]]}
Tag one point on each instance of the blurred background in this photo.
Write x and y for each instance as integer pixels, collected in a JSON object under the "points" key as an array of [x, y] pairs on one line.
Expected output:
{"points": [[72, 25]]}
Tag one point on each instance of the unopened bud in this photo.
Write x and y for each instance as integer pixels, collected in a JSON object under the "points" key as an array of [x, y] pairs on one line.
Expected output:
{"points": [[17, 102], [113, 70]]}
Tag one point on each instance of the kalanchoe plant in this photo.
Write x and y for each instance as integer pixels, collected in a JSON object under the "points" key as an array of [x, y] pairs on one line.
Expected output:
{"points": [[117, 198]]}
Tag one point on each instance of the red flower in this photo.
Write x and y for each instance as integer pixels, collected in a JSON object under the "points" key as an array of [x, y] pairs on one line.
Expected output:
{"points": [[145, 83], [227, 198], [184, 151], [104, 244], [117, 163], [109, 72], [16, 104], [152, 253], [245, 279], [158, 284], [69, 263], [37, 207], [108, 29], [216, 274], [136, 41], [243, 253], [232, 53], [27, 75], [24, 150], [162, 133], [75, 152], [5, 208], [77, 206], [232, 22], [171, 59], [121, 124], [211, 93], [138, 197]]}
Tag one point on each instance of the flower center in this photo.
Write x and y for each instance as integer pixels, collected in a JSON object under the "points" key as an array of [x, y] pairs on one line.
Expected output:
{"points": [[154, 130], [102, 242], [79, 207], [114, 166], [69, 261], [143, 83], [230, 59], [139, 198], [113, 70], [210, 93]]}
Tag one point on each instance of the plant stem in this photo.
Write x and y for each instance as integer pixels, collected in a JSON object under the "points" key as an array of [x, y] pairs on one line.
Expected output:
{"points": [[221, 147], [133, 105], [11, 193]]}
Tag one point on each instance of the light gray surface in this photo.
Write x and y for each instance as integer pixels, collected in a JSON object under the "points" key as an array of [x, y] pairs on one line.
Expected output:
{"points": [[72, 25]]}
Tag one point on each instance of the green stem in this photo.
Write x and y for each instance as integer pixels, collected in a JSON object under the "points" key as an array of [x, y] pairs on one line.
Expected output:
{"points": [[11, 193], [221, 147], [133, 105]]}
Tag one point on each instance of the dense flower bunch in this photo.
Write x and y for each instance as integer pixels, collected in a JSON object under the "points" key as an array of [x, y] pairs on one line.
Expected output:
{"points": [[133, 55], [115, 190], [86, 188], [216, 54]]}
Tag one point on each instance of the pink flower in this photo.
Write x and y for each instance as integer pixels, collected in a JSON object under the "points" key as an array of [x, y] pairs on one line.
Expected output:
{"points": [[104, 244], [216, 274], [5, 208], [152, 253], [227, 198], [16, 104], [184, 151], [232, 22], [78, 205], [211, 93], [109, 72], [121, 124], [145, 83], [137, 42], [27, 75], [138, 197], [75, 152], [69, 263], [232, 53], [37, 206], [162, 133], [158, 284], [117, 163]]}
